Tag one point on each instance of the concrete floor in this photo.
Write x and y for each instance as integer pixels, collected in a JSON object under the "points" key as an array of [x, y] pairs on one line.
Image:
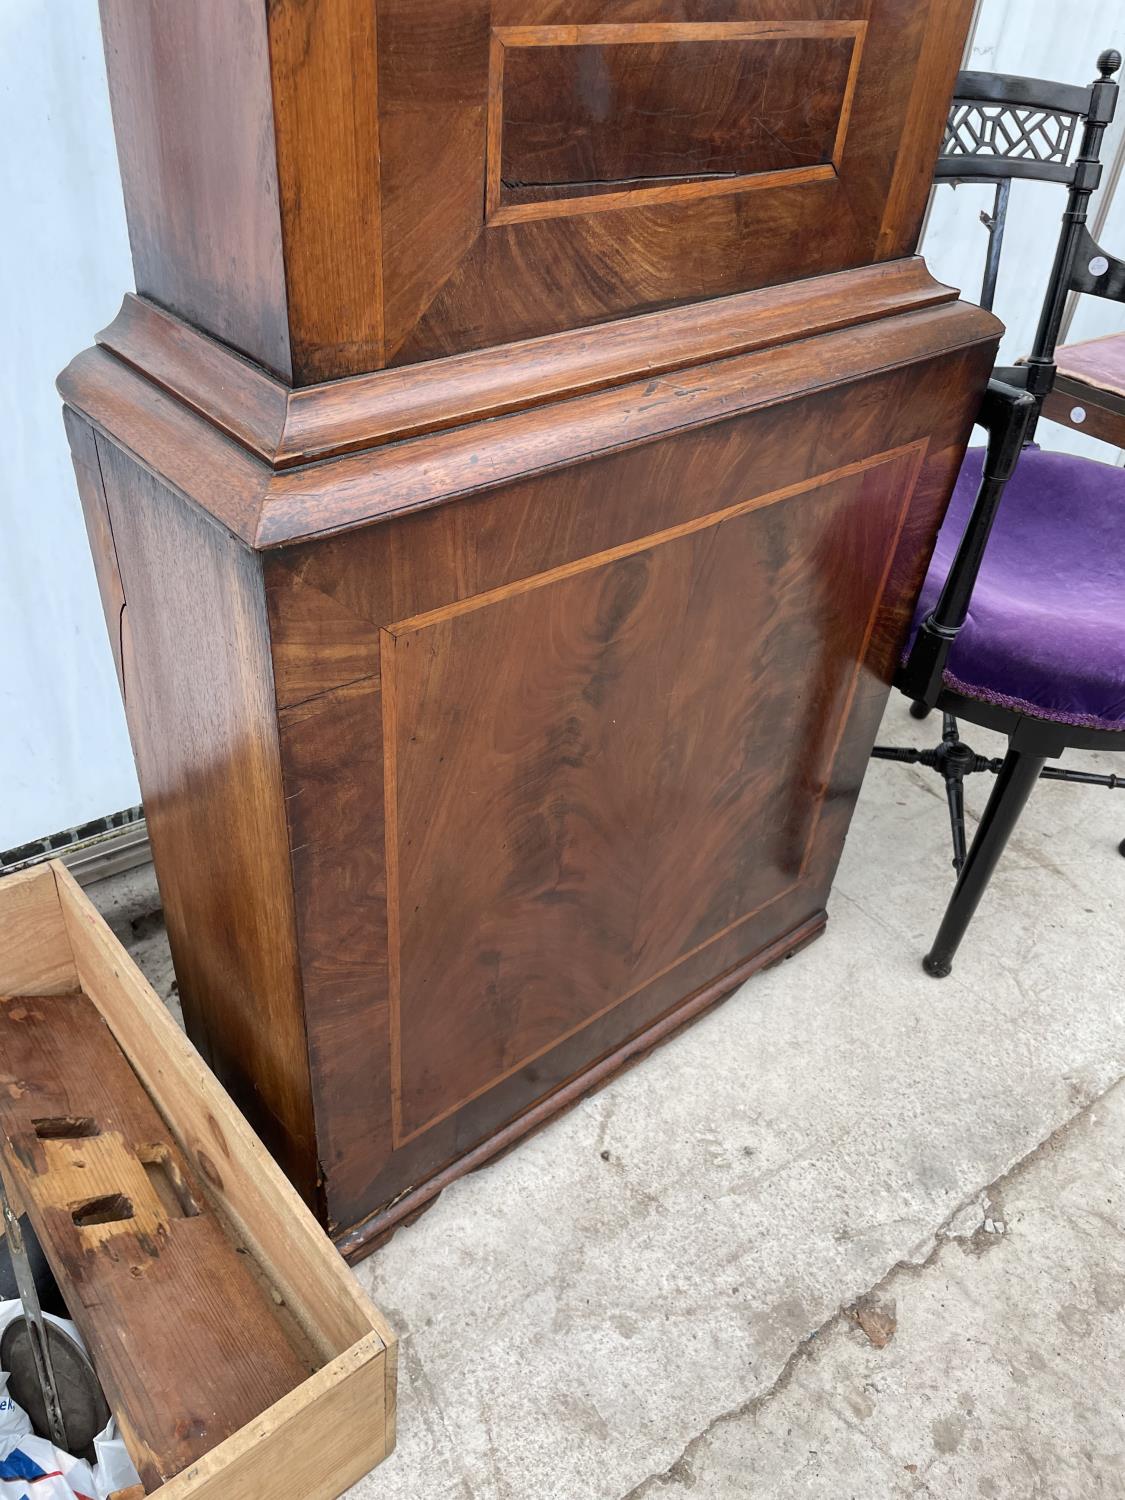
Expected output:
{"points": [[857, 1233]]}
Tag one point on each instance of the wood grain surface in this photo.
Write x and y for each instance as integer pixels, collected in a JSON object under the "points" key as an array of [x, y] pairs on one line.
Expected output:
{"points": [[258, 691], [340, 187], [1088, 408], [566, 824], [344, 1415], [199, 692], [35, 953], [186, 440], [390, 481], [338, 1423], [505, 702], [284, 427], [438, 589], [324, 83], [454, 282], [644, 113], [193, 117], [185, 1342]]}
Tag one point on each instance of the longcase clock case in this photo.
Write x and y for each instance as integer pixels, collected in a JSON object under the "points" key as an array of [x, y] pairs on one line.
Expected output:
{"points": [[509, 488]]}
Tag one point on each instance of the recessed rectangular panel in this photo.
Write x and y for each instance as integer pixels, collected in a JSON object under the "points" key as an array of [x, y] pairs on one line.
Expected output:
{"points": [[584, 111], [334, 188], [596, 772], [554, 164]]}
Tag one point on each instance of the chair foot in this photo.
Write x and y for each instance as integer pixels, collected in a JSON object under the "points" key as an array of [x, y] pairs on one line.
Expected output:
{"points": [[1014, 786], [1121, 847], [919, 710]]}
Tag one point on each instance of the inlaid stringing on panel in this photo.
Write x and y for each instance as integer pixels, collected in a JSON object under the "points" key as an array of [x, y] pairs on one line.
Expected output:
{"points": [[593, 117], [507, 807]]}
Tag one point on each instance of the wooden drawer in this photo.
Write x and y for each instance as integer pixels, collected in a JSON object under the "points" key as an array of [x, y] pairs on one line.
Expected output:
{"points": [[339, 1423]]}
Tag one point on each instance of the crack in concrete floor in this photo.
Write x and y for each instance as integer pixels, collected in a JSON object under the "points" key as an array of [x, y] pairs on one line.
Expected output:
{"points": [[680, 1473]]}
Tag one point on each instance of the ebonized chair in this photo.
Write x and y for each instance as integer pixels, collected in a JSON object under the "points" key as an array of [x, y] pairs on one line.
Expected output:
{"points": [[1020, 626]]}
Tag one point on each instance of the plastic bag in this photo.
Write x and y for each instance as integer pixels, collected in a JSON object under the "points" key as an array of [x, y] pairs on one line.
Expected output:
{"points": [[13, 1418], [32, 1468], [114, 1468]]}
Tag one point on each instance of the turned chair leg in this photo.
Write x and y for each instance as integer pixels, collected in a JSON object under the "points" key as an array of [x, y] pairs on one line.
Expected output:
{"points": [[955, 795], [1014, 784]]}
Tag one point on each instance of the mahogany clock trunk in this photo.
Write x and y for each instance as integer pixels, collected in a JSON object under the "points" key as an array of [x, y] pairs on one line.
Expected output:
{"points": [[509, 490]]}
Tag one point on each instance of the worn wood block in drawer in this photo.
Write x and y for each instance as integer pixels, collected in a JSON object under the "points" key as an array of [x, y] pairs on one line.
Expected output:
{"points": [[185, 1341], [336, 1422]]}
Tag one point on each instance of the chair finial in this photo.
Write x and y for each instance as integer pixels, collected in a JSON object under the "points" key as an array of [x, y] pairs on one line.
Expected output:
{"points": [[1109, 62]]}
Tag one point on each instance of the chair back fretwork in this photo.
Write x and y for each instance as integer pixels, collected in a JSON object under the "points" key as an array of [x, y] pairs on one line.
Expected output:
{"points": [[1001, 128]]}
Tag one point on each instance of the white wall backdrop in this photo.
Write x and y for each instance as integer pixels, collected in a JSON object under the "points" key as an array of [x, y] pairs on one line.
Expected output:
{"points": [[64, 263]]}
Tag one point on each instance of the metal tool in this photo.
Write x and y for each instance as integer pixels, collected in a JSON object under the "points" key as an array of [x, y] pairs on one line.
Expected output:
{"points": [[36, 1323]]}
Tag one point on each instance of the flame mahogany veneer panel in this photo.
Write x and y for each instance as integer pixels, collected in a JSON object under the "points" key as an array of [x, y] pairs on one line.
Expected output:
{"points": [[597, 772], [640, 109]]}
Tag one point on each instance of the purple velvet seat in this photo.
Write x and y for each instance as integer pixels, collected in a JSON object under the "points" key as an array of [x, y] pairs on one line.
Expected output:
{"points": [[1046, 626]]}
